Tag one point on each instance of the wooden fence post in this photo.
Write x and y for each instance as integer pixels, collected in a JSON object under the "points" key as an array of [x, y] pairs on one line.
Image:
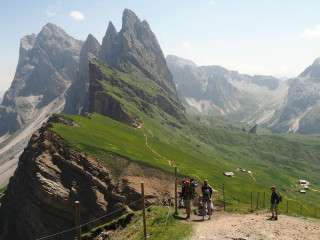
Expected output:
{"points": [[224, 199], [301, 209], [251, 203], [78, 228], [287, 206], [143, 212], [258, 200], [264, 199], [175, 191]]}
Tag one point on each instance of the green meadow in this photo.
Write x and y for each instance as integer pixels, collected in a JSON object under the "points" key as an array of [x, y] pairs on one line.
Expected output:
{"points": [[203, 152], [203, 147]]}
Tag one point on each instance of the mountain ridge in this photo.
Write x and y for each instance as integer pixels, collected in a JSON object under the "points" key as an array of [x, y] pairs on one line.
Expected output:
{"points": [[290, 106]]}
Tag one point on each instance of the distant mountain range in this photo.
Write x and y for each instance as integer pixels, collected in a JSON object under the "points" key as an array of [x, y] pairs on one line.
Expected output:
{"points": [[101, 162], [282, 106], [53, 76]]}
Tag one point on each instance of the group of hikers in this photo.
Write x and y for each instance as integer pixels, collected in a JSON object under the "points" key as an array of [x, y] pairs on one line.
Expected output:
{"points": [[205, 205]]}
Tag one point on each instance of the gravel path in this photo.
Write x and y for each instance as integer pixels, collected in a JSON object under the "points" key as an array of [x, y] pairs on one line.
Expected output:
{"points": [[254, 226]]}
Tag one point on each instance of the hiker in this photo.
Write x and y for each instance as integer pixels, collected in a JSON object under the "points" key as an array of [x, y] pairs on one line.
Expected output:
{"points": [[188, 191], [274, 203], [206, 199], [181, 204]]}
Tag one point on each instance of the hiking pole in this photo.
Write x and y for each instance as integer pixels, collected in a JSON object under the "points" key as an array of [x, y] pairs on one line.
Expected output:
{"points": [[78, 229], [143, 212], [175, 191]]}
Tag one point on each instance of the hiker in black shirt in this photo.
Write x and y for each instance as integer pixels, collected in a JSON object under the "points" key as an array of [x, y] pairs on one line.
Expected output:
{"points": [[206, 199], [274, 203]]}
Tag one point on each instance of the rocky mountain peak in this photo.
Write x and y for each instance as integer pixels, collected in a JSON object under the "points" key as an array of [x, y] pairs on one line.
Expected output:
{"points": [[129, 19], [181, 62], [91, 45], [109, 47], [77, 99], [316, 62], [136, 45], [111, 31], [52, 35]]}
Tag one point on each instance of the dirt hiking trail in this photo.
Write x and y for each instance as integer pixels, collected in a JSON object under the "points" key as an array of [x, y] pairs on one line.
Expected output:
{"points": [[254, 227]]}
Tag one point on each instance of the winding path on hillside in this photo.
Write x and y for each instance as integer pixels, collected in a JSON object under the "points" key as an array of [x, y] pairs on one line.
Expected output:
{"points": [[254, 226], [151, 149]]}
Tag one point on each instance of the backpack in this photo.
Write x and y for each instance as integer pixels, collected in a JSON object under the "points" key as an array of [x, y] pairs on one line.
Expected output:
{"points": [[206, 195], [185, 187], [279, 198], [192, 189]]}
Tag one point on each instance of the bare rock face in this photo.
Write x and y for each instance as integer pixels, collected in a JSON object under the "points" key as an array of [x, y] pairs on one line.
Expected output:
{"points": [[136, 44], [214, 90], [47, 65], [51, 175], [301, 112], [77, 99]]}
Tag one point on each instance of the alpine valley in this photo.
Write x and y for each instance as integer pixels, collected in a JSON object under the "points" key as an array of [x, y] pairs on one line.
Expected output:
{"points": [[84, 121]]}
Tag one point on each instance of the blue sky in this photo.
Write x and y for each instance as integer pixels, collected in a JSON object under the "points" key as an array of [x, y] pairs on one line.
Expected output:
{"points": [[269, 37]]}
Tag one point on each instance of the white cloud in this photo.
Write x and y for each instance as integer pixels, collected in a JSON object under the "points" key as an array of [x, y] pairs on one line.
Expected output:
{"points": [[311, 33], [76, 15], [188, 45], [53, 11]]}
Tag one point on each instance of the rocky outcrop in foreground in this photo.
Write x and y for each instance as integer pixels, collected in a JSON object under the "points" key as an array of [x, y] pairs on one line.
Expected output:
{"points": [[51, 175]]}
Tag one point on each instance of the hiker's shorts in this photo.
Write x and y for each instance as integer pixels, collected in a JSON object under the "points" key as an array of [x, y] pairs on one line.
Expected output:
{"points": [[274, 205]]}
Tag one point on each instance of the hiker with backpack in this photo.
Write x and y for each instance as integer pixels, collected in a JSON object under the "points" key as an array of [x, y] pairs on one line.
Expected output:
{"points": [[275, 199], [206, 199], [188, 191]]}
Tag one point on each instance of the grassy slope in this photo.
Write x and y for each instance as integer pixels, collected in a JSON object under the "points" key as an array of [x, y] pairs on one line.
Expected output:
{"points": [[203, 151], [161, 224]]}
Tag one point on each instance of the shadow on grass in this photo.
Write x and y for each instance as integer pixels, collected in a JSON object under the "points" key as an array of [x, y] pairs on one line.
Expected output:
{"points": [[179, 217]]}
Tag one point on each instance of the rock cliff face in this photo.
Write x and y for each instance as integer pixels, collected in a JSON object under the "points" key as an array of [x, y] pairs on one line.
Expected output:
{"points": [[133, 50], [47, 65], [215, 90], [136, 44], [51, 175], [301, 112], [77, 100]]}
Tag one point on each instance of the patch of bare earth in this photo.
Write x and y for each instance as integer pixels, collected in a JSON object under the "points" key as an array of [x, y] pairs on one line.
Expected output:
{"points": [[254, 226]]}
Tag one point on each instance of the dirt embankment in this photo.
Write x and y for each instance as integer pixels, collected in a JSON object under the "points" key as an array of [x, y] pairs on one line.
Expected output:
{"points": [[255, 227]]}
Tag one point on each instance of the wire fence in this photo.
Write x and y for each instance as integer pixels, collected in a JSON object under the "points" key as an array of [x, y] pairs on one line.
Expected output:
{"points": [[261, 201], [87, 223], [257, 201]]}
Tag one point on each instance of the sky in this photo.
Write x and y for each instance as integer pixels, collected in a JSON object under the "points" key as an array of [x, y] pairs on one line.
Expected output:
{"points": [[267, 37]]}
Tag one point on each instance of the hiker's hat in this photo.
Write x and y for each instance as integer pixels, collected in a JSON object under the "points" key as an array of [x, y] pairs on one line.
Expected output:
{"points": [[273, 187]]}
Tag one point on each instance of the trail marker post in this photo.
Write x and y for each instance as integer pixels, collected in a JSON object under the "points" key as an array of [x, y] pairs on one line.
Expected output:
{"points": [[251, 203], [224, 199], [175, 190], [143, 212], [78, 228]]}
